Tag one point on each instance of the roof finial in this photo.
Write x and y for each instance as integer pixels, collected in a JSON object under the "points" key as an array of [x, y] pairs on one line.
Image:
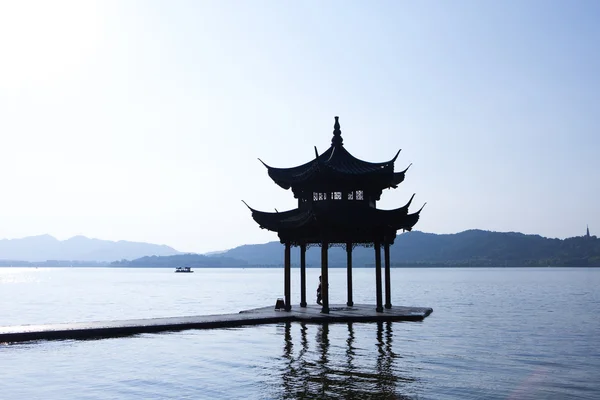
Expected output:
{"points": [[337, 134]]}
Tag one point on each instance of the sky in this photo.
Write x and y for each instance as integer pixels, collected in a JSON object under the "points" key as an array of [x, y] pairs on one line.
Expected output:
{"points": [[143, 120]]}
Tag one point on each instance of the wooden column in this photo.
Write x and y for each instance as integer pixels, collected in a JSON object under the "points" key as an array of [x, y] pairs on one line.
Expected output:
{"points": [[349, 303], [287, 276], [377, 247], [388, 284], [303, 275], [324, 278]]}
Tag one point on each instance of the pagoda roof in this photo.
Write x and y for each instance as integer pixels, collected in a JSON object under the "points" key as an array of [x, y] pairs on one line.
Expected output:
{"points": [[309, 222], [337, 163]]}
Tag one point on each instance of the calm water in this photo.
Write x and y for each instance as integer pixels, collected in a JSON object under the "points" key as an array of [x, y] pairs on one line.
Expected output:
{"points": [[494, 334]]}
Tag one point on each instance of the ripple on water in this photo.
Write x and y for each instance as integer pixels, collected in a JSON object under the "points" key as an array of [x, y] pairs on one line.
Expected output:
{"points": [[510, 334]]}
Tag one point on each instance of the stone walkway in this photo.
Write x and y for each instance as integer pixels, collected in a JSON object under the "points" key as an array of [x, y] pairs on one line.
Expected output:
{"points": [[258, 316]]}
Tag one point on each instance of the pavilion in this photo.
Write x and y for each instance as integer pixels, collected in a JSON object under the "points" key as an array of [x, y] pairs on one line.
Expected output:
{"points": [[337, 195]]}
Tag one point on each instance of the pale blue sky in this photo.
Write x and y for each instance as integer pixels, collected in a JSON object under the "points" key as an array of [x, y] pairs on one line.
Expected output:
{"points": [[143, 120]]}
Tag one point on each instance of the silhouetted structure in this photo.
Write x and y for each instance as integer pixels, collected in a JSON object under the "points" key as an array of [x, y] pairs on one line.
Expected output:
{"points": [[587, 231], [337, 195]]}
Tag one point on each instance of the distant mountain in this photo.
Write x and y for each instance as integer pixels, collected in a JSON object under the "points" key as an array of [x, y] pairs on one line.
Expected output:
{"points": [[185, 260], [473, 248], [468, 248], [80, 248]]}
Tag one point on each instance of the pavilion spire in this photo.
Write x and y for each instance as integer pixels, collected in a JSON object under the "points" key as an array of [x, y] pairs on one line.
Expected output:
{"points": [[337, 134]]}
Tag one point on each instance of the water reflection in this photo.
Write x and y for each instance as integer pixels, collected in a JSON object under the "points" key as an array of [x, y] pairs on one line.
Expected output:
{"points": [[334, 368]]}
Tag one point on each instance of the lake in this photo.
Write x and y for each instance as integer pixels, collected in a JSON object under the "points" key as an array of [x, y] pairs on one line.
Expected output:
{"points": [[503, 333]]}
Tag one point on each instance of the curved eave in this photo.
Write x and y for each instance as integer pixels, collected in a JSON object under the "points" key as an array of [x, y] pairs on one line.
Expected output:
{"points": [[398, 218], [411, 220], [286, 177], [308, 221], [398, 178], [335, 161], [279, 221]]}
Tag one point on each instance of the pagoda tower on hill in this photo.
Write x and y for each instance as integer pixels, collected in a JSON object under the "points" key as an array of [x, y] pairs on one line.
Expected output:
{"points": [[337, 195]]}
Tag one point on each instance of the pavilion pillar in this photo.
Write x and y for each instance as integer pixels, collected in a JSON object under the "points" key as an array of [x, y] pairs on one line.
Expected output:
{"points": [[287, 277], [324, 277], [349, 303], [377, 247], [388, 284], [303, 275]]}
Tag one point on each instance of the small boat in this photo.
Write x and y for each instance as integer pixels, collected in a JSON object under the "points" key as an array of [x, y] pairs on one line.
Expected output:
{"points": [[183, 269]]}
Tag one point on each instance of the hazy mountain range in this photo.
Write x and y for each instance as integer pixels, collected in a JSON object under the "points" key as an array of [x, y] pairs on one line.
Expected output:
{"points": [[473, 248], [78, 248], [467, 249]]}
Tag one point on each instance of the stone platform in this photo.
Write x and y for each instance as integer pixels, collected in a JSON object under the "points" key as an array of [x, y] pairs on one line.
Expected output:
{"points": [[258, 316]]}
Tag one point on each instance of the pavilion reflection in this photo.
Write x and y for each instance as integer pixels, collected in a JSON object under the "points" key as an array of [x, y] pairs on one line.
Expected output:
{"points": [[331, 368]]}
